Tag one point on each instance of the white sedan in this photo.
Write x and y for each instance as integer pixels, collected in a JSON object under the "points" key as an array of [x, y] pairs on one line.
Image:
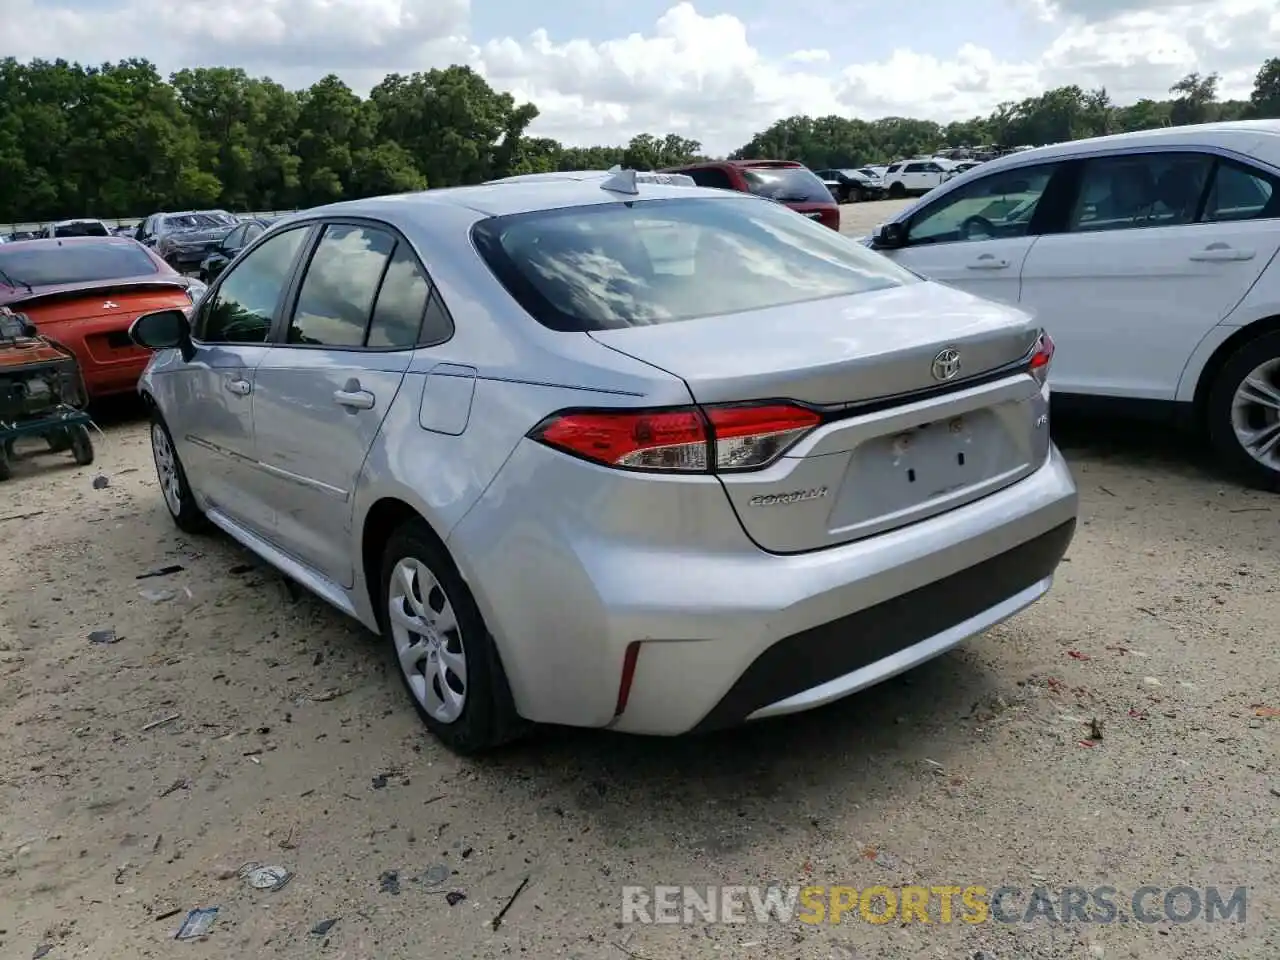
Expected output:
{"points": [[1150, 257]]}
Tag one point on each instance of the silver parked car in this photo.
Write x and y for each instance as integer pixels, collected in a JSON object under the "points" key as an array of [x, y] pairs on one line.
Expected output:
{"points": [[609, 452]]}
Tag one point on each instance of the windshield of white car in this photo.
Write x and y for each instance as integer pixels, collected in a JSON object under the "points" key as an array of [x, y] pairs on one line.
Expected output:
{"points": [[48, 266], [631, 264], [81, 228], [786, 184]]}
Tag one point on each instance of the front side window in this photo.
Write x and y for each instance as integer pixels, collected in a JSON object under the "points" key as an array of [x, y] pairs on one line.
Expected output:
{"points": [[1140, 190], [234, 239], [336, 296], [660, 261], [1241, 193], [242, 308], [993, 207]]}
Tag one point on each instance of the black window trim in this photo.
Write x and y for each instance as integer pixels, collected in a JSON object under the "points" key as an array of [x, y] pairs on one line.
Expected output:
{"points": [[216, 287], [1270, 210], [279, 334]]}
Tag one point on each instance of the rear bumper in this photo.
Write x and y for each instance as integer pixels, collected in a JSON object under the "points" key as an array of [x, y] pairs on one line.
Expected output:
{"points": [[106, 371], [567, 581], [823, 664]]}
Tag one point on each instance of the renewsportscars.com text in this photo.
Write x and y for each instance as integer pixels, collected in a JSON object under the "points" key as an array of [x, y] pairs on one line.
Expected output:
{"points": [[938, 904]]}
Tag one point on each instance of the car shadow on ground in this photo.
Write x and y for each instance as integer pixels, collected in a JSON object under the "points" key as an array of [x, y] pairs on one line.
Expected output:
{"points": [[1134, 443]]}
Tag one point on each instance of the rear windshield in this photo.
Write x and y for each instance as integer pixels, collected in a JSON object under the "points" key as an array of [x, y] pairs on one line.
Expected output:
{"points": [[87, 228], [658, 261], [193, 221], [786, 184], [42, 266]]}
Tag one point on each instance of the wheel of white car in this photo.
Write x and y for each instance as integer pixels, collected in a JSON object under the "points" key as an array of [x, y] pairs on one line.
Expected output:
{"points": [[441, 646], [173, 479], [1243, 412], [897, 191]]}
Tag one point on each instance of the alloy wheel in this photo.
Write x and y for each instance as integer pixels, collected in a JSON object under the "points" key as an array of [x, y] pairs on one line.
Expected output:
{"points": [[428, 640], [166, 468], [1255, 414]]}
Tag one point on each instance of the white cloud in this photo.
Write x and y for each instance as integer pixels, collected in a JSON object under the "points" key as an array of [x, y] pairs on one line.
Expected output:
{"points": [[703, 76], [809, 56]]}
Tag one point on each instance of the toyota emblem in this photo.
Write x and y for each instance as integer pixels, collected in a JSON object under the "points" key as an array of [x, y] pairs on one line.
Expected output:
{"points": [[946, 365], [110, 305]]}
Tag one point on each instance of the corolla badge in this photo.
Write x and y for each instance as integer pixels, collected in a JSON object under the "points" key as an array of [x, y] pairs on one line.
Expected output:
{"points": [[110, 305], [946, 365], [793, 496]]}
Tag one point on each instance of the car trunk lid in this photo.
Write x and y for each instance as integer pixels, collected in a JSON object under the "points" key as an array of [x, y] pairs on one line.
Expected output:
{"points": [[926, 402], [105, 309]]}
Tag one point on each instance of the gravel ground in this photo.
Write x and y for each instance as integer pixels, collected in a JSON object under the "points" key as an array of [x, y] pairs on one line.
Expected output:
{"points": [[232, 722]]}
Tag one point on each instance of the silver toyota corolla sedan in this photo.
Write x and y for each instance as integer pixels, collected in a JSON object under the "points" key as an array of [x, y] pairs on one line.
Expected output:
{"points": [[613, 452]]}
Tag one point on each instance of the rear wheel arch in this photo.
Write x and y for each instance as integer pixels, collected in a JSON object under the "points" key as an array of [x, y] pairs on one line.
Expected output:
{"points": [[1218, 359], [384, 518]]}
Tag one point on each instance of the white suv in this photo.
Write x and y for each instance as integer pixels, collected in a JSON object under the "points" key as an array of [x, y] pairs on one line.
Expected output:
{"points": [[910, 177], [1151, 259]]}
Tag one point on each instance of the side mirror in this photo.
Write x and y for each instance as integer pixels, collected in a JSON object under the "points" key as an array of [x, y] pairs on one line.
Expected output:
{"points": [[890, 236], [163, 330]]}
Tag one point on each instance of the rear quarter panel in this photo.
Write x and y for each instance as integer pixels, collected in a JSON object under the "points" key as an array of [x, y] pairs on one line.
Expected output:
{"points": [[523, 373]]}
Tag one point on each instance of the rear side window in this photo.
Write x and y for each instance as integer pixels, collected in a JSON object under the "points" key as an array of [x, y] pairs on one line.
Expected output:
{"points": [[79, 263], [610, 266], [786, 184], [709, 177], [1239, 193], [402, 300], [337, 292], [1140, 190]]}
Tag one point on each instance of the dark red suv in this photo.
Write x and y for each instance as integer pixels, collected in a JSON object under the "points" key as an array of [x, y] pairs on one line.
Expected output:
{"points": [[785, 181]]}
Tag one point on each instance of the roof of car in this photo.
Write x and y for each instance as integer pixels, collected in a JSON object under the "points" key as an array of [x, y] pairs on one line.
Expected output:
{"points": [[504, 198], [1188, 134], [702, 164]]}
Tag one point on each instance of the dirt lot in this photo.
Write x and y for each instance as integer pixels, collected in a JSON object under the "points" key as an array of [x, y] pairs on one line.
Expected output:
{"points": [[231, 723]]}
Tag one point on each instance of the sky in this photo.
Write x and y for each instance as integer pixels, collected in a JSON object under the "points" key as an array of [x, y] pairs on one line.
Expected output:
{"points": [[716, 71]]}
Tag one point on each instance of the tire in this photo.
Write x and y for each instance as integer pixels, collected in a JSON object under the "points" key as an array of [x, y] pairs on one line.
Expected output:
{"points": [[1228, 412], [6, 471], [897, 191], [59, 441], [460, 662], [856, 195], [81, 444], [174, 489]]}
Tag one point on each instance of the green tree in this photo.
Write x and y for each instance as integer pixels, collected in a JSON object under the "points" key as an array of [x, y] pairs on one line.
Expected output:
{"points": [[1265, 100], [1196, 98]]}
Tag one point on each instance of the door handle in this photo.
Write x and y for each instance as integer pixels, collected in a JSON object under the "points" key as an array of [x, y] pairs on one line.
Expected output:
{"points": [[239, 386], [353, 396], [1218, 252], [988, 262]]}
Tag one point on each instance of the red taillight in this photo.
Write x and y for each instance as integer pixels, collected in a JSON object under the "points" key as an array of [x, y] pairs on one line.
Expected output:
{"points": [[681, 440], [1042, 358]]}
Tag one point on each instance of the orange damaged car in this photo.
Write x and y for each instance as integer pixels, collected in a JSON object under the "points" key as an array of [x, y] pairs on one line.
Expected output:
{"points": [[85, 292]]}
